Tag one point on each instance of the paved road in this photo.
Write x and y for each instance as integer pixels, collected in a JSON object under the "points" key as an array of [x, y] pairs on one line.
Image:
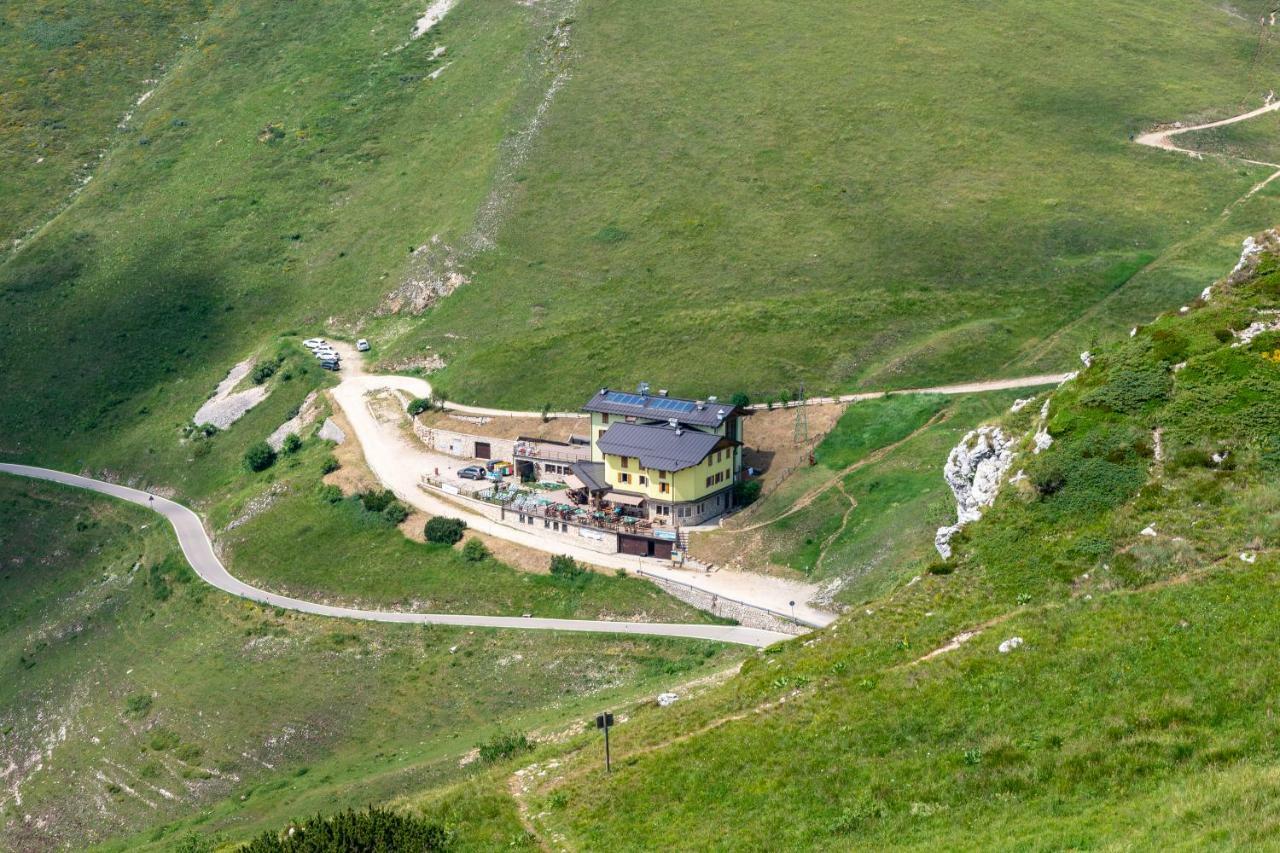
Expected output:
{"points": [[199, 553]]}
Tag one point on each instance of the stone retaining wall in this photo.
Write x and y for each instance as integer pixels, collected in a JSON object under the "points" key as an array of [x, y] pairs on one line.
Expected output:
{"points": [[746, 614]]}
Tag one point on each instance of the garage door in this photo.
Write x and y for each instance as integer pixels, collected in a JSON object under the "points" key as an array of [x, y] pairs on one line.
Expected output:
{"points": [[634, 545], [483, 451]]}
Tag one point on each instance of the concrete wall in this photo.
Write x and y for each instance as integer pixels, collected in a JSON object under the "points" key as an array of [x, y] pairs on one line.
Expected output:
{"points": [[462, 444], [752, 617]]}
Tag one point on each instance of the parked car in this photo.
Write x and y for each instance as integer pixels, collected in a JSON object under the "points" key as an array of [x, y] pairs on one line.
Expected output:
{"points": [[313, 343], [472, 472], [329, 363], [327, 353], [362, 345]]}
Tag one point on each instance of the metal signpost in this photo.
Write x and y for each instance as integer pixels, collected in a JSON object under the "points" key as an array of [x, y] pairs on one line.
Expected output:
{"points": [[604, 721]]}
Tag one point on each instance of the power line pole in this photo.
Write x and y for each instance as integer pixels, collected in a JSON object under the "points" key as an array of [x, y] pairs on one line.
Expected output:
{"points": [[801, 433]]}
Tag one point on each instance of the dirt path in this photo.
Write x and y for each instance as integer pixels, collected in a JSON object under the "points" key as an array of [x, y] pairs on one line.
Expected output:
{"points": [[814, 493], [1163, 139]]}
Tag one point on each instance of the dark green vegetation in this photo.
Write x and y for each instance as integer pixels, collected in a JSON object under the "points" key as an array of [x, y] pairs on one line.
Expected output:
{"points": [[444, 531], [126, 676], [372, 830], [1137, 710]]}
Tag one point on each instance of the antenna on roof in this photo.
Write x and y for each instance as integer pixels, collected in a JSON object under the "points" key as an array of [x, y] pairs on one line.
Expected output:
{"points": [[643, 389]]}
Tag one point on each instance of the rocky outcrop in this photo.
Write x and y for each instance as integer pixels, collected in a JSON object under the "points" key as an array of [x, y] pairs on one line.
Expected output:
{"points": [[330, 431], [306, 414], [974, 470]]}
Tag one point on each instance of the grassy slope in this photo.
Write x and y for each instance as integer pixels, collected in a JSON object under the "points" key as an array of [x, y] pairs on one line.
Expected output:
{"points": [[883, 456], [343, 712], [200, 238], [1143, 684], [69, 72], [722, 184]]}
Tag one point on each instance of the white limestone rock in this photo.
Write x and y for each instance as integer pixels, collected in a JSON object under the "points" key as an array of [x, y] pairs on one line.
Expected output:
{"points": [[974, 470], [1010, 644]]}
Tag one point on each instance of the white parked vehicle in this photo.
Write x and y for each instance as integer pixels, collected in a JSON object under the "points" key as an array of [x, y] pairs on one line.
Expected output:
{"points": [[314, 343], [323, 354], [362, 345]]}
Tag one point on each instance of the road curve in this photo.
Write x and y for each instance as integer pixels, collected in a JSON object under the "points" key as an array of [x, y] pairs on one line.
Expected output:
{"points": [[199, 552]]}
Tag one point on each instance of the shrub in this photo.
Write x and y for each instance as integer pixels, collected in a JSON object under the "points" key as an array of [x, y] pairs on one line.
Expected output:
{"points": [[566, 567], [138, 705], [163, 739], [740, 399], [396, 512], [419, 405], [444, 531], [292, 443], [374, 829], [377, 500], [259, 457], [504, 745], [329, 464], [1223, 335], [746, 492], [546, 412], [474, 551], [264, 371], [330, 494]]}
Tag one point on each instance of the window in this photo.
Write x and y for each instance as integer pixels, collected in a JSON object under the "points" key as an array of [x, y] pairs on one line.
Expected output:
{"points": [[719, 476], [624, 478], [664, 488], [684, 512], [708, 482], [644, 481], [625, 462], [604, 418], [662, 475], [664, 510]]}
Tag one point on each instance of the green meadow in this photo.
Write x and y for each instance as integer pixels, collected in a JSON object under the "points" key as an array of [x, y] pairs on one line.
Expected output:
{"points": [[130, 679]]}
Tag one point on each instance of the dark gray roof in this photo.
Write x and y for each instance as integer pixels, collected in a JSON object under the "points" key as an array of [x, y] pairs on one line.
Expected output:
{"points": [[648, 406], [591, 474], [658, 445]]}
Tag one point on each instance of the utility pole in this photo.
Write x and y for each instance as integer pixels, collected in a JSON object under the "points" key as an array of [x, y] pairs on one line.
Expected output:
{"points": [[801, 433]]}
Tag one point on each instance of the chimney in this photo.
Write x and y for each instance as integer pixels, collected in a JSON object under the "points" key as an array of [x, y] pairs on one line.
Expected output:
{"points": [[720, 414], [700, 405], [673, 422], [712, 399], [662, 392]]}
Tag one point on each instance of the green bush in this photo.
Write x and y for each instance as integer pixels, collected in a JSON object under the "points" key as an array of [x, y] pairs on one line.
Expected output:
{"points": [[395, 512], [264, 371], [566, 567], [746, 492], [354, 832], [444, 531], [740, 399], [292, 443], [330, 494], [377, 500], [329, 464], [138, 705], [418, 406], [163, 739], [259, 457], [474, 551], [504, 745]]}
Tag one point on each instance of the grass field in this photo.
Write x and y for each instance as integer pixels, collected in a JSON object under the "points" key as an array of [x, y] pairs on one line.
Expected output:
{"points": [[904, 195], [126, 677], [1135, 710]]}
